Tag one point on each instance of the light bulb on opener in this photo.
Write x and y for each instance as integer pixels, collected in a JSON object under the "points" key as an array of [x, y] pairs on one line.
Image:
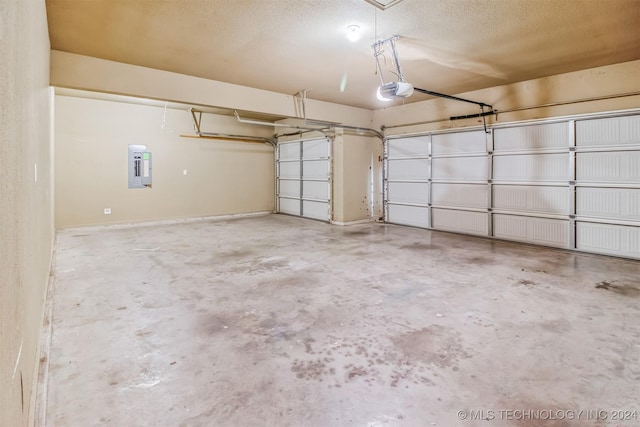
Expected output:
{"points": [[380, 96]]}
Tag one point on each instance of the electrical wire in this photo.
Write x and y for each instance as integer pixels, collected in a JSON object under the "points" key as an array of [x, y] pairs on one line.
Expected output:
{"points": [[379, 51]]}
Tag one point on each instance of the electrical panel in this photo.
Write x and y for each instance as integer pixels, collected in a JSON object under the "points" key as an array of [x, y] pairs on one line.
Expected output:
{"points": [[139, 167]]}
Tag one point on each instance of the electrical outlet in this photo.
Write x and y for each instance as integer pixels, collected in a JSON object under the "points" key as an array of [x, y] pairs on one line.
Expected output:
{"points": [[107, 211], [184, 172]]}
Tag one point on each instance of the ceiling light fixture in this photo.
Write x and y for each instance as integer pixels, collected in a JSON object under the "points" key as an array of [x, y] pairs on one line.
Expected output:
{"points": [[353, 33]]}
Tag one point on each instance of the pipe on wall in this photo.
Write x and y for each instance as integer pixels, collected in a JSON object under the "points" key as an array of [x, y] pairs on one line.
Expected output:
{"points": [[512, 110], [324, 130]]}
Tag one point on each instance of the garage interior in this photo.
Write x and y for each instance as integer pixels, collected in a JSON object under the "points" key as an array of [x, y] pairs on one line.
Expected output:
{"points": [[211, 215]]}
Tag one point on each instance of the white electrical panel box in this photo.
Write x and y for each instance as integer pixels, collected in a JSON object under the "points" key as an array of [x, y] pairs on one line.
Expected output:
{"points": [[139, 167]]}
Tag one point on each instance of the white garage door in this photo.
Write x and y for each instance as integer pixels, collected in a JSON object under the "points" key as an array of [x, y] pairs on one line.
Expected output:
{"points": [[438, 181], [570, 183], [304, 178], [459, 182], [608, 185], [407, 175], [531, 195]]}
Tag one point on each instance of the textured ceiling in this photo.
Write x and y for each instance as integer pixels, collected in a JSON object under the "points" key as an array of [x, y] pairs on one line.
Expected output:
{"points": [[448, 46]]}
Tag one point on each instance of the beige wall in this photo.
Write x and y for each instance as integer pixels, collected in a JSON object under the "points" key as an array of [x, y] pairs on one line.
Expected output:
{"points": [[357, 166], [26, 227], [92, 138], [222, 177], [593, 83], [352, 155], [82, 72]]}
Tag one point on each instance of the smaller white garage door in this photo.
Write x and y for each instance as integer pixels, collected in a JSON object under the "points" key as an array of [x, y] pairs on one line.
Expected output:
{"points": [[304, 178]]}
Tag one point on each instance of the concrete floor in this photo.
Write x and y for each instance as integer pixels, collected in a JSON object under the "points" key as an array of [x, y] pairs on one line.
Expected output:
{"points": [[281, 321]]}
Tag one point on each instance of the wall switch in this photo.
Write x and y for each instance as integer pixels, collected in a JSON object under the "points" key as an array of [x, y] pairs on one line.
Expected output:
{"points": [[35, 172], [107, 211], [184, 172]]}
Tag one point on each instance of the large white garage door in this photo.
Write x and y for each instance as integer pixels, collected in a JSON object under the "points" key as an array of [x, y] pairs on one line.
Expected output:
{"points": [[570, 183], [304, 178], [608, 185], [438, 181], [531, 183]]}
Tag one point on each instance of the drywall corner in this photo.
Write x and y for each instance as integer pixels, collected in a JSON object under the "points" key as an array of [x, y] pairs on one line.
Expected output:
{"points": [[26, 212]]}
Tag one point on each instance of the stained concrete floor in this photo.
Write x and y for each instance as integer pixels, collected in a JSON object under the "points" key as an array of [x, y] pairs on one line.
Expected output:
{"points": [[281, 321]]}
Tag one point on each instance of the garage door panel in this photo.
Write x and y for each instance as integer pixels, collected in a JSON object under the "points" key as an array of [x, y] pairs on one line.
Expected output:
{"points": [[315, 210], [315, 148], [460, 221], [531, 167], [463, 195], [315, 190], [608, 239], [608, 185], [408, 192], [461, 168], [460, 142], [315, 169], [289, 188], [614, 203], [289, 151], [609, 167], [572, 183], [289, 206], [543, 231], [539, 199], [414, 216], [289, 169], [608, 131], [408, 147], [408, 169], [533, 137], [304, 184]]}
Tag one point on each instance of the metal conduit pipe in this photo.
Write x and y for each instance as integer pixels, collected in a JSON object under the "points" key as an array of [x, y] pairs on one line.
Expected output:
{"points": [[357, 129], [554, 104], [227, 136], [236, 137], [310, 129], [532, 107], [300, 133], [333, 125], [261, 123], [350, 129], [273, 141]]}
